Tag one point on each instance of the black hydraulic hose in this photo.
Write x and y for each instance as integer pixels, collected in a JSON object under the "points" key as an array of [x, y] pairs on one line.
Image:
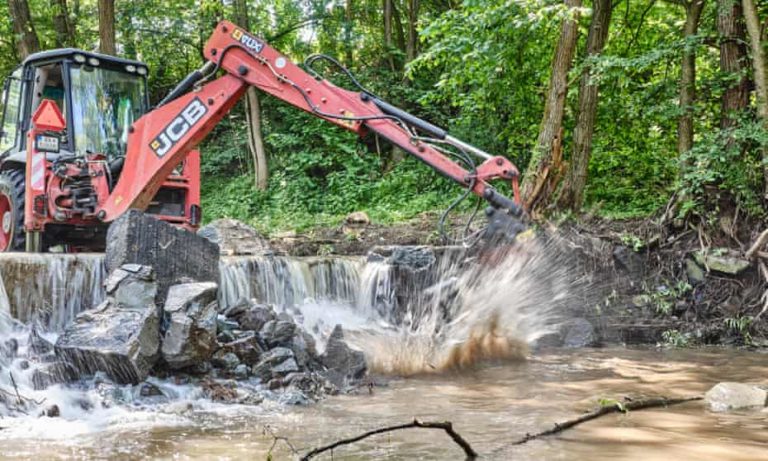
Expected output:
{"points": [[186, 84]]}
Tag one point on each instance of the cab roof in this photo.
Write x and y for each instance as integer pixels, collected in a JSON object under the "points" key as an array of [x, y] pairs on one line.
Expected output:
{"points": [[63, 53]]}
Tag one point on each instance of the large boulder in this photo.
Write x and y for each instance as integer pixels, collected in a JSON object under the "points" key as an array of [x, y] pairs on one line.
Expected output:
{"points": [[190, 312], [120, 339], [174, 253], [343, 362], [235, 238], [734, 396], [276, 363]]}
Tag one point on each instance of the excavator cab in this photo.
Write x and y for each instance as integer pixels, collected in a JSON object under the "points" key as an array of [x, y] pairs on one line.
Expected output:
{"points": [[99, 98]]}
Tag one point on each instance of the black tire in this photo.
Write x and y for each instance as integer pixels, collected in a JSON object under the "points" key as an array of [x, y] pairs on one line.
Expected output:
{"points": [[12, 187]]}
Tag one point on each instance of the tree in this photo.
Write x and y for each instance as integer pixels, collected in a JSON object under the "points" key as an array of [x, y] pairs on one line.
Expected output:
{"points": [[761, 83], [23, 29], [693, 9], [253, 114], [107, 27], [65, 31], [412, 46], [388, 12], [733, 53], [576, 176], [547, 154]]}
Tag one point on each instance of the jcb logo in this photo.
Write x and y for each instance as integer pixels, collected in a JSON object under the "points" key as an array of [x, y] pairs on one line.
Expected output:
{"points": [[178, 127], [250, 43]]}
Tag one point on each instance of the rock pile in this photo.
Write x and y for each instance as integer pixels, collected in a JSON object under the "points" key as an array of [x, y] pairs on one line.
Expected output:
{"points": [[169, 324]]}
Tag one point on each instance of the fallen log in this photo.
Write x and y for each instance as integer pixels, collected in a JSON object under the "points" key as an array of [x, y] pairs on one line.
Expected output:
{"points": [[605, 409], [447, 426]]}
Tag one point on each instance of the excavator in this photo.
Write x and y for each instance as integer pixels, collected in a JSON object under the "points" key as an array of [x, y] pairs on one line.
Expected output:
{"points": [[80, 144]]}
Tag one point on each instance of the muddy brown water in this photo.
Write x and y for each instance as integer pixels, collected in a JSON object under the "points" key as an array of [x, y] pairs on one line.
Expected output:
{"points": [[489, 406]]}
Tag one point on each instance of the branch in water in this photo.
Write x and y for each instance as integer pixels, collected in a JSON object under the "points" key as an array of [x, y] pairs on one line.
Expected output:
{"points": [[447, 426], [615, 407]]}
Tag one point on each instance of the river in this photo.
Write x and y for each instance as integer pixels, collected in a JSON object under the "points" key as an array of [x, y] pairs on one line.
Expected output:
{"points": [[490, 406]]}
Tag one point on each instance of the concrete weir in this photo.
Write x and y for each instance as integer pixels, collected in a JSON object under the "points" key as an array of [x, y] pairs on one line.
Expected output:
{"points": [[50, 289]]}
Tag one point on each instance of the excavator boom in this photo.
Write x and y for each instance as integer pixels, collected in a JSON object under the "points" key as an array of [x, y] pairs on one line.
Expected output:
{"points": [[161, 139]]}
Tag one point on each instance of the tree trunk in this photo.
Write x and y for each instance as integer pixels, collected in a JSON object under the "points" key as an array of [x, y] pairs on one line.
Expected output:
{"points": [[572, 191], [538, 182], [349, 22], [412, 47], [398, 24], [761, 83], [107, 27], [388, 34], [23, 29], [733, 53], [693, 11], [253, 114], [65, 34]]}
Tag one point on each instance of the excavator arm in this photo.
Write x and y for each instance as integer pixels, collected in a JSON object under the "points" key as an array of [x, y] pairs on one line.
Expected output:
{"points": [[161, 139]]}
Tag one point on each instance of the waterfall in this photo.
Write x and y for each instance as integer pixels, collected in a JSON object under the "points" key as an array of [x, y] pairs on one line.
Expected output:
{"points": [[50, 289], [289, 282]]}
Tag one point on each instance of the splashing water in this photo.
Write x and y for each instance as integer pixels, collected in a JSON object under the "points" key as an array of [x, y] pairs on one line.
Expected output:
{"points": [[490, 311]]}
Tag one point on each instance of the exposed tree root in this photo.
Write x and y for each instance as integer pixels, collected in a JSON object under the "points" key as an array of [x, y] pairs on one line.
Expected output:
{"points": [[447, 426], [613, 407]]}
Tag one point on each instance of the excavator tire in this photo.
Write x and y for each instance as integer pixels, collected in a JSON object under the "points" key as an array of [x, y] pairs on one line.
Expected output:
{"points": [[12, 235]]}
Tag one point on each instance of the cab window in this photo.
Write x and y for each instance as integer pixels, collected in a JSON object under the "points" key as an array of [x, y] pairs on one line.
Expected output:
{"points": [[11, 111]]}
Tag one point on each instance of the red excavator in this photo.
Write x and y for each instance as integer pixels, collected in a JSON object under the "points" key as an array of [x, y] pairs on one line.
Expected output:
{"points": [[80, 144]]}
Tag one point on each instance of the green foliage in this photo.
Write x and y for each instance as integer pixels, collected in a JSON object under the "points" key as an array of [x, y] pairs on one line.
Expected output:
{"points": [[482, 71], [726, 162], [673, 338], [740, 325], [663, 297], [608, 402]]}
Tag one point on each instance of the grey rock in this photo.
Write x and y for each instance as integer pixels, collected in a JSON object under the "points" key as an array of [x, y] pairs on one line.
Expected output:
{"points": [[734, 396], [149, 390], [238, 308], [225, 360], [190, 310], [225, 336], [256, 316], [341, 359], [235, 238], [300, 350], [694, 272], [49, 374], [285, 367], [53, 411], [174, 253], [628, 260], [10, 349], [415, 258], [241, 371], [270, 359], [222, 324], [246, 348], [37, 344], [722, 260], [294, 398], [123, 342], [579, 333], [132, 286], [278, 332]]}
